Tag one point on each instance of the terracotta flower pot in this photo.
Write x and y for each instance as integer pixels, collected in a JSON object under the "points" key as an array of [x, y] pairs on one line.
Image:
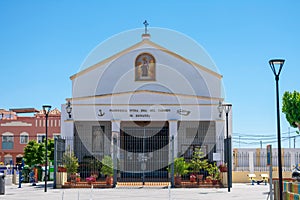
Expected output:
{"points": [[215, 182], [109, 180], [192, 178], [178, 180], [223, 169], [208, 180], [199, 178], [61, 169]]}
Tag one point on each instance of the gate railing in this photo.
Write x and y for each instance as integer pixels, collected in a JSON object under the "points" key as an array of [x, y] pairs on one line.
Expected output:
{"points": [[144, 159]]}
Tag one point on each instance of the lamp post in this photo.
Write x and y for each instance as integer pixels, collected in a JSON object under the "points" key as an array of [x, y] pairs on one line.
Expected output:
{"points": [[46, 110], [277, 64], [69, 109], [227, 108]]}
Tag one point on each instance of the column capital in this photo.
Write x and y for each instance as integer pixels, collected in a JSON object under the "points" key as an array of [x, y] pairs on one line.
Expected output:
{"points": [[115, 125]]}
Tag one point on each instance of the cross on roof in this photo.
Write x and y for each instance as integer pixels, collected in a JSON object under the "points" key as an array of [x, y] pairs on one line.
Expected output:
{"points": [[146, 24]]}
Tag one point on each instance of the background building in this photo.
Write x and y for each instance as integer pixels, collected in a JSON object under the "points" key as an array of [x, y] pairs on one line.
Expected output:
{"points": [[16, 130]]}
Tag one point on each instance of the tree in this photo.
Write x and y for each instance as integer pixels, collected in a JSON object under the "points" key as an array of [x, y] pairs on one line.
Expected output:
{"points": [[51, 149], [34, 153], [198, 162], [291, 108], [70, 161]]}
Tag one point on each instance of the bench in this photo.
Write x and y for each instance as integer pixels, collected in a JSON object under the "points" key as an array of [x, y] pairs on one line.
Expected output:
{"points": [[263, 180]]}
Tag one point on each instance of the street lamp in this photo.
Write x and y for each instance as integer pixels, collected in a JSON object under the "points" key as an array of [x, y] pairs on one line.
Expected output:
{"points": [[276, 66], [46, 110], [227, 108], [69, 109]]}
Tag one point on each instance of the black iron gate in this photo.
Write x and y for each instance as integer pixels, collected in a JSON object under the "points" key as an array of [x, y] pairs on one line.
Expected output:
{"points": [[145, 154], [59, 150]]}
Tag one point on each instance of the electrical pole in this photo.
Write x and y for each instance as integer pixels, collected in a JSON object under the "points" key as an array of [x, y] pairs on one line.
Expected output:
{"points": [[289, 138]]}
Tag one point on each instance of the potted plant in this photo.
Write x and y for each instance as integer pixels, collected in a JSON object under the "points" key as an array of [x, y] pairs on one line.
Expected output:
{"points": [[208, 179], [61, 169], [180, 169], [223, 167], [77, 177], [107, 169], [214, 172], [90, 164], [193, 178], [91, 178], [198, 163], [71, 164]]}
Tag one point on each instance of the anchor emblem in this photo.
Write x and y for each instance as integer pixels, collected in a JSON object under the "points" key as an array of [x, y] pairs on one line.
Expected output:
{"points": [[100, 113]]}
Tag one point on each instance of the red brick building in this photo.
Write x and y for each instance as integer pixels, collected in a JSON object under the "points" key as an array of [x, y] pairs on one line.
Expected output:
{"points": [[16, 130]]}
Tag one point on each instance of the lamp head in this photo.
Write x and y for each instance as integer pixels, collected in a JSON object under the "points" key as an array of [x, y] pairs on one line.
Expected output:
{"points": [[227, 107], [46, 109], [220, 108], [276, 65], [69, 108]]}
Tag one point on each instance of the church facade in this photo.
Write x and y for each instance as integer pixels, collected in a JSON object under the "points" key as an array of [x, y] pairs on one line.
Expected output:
{"points": [[145, 105]]}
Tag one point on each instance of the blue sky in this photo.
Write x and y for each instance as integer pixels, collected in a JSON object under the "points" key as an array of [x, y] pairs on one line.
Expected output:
{"points": [[43, 43]]}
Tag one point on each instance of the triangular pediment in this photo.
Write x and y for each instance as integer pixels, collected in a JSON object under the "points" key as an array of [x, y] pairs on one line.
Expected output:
{"points": [[144, 44]]}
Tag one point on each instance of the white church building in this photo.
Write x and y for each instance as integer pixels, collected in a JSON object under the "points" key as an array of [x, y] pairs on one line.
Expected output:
{"points": [[155, 103]]}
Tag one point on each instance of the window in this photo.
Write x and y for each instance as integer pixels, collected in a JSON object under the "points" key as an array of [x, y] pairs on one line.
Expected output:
{"points": [[24, 138], [7, 141], [97, 138], [7, 159], [41, 138]]}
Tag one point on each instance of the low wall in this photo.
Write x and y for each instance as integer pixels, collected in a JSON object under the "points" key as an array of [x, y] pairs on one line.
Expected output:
{"points": [[242, 176], [291, 190]]}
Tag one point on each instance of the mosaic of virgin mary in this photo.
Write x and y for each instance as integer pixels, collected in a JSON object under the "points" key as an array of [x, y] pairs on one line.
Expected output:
{"points": [[145, 67]]}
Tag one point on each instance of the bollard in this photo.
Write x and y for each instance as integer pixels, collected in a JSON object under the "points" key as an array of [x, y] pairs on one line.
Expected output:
{"points": [[91, 197], [2, 184], [20, 178]]}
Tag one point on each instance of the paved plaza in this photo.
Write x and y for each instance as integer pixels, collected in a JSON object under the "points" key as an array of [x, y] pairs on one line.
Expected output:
{"points": [[239, 191]]}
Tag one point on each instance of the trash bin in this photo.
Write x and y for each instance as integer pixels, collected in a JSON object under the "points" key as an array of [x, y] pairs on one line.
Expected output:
{"points": [[2, 184]]}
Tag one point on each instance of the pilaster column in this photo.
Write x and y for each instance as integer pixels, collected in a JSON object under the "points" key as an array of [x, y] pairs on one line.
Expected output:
{"points": [[115, 147], [67, 132], [173, 131], [115, 133]]}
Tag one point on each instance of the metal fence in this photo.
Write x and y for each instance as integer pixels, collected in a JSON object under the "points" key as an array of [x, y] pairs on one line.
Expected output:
{"points": [[140, 154], [257, 160]]}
